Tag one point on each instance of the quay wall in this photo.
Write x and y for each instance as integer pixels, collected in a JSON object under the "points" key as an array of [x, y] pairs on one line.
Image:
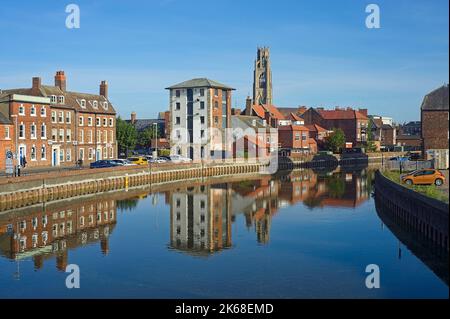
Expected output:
{"points": [[425, 215]]}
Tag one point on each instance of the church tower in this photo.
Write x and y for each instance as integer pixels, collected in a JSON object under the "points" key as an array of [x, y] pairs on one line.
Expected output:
{"points": [[262, 80]]}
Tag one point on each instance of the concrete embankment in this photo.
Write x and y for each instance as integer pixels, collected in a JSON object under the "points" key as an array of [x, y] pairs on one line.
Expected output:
{"points": [[426, 216], [40, 188]]}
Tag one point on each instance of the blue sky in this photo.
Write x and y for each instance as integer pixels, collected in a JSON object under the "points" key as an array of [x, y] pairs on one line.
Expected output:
{"points": [[321, 52]]}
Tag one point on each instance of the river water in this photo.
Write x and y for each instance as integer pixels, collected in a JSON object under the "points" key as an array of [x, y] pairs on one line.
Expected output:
{"points": [[302, 234]]}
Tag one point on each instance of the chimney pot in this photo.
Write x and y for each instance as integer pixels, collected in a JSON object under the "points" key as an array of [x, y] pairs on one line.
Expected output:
{"points": [[60, 80]]}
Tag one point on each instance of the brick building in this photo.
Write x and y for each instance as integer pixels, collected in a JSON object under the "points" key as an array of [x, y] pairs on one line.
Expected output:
{"points": [[200, 111], [30, 119], [6, 138], [294, 140], [435, 125], [57, 127], [354, 123]]}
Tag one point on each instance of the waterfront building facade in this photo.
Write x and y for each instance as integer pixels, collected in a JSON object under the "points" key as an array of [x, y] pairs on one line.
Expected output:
{"points": [[200, 113]]}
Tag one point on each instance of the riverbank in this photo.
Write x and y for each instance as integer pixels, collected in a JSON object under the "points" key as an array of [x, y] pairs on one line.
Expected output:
{"points": [[423, 214]]}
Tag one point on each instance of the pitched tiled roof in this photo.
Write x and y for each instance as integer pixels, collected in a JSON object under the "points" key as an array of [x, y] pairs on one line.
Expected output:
{"points": [[436, 100], [315, 128], [198, 83], [341, 114], [72, 100], [142, 124], [260, 110], [292, 128]]}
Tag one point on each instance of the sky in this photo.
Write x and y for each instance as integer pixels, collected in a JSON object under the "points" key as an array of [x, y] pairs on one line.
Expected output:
{"points": [[322, 54]]}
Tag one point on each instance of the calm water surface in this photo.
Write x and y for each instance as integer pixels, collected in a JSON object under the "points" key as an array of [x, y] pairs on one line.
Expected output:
{"points": [[301, 235]]}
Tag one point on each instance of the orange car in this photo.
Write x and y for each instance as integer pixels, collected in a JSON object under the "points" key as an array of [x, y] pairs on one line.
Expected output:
{"points": [[424, 177]]}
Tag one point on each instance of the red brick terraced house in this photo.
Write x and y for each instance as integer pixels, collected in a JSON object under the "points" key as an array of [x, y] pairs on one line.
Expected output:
{"points": [[354, 123], [435, 126], [29, 122], [70, 126], [6, 139]]}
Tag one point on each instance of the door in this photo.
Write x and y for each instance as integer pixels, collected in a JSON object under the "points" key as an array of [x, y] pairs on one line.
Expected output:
{"points": [[428, 177], [419, 177], [98, 155]]}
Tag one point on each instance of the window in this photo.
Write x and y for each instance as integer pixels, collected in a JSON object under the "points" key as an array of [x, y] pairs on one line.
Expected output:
{"points": [[304, 136], [99, 136], [54, 133], [7, 133], [216, 92], [22, 130], [178, 106], [90, 136], [68, 117], [61, 155], [43, 152], [202, 105], [177, 93], [61, 135], [297, 136], [52, 98], [105, 137], [91, 153], [61, 99], [202, 133], [89, 121], [68, 135], [53, 117], [216, 120], [202, 92], [202, 120], [104, 121], [33, 153], [81, 137], [21, 110], [33, 110], [177, 120], [111, 122], [81, 121], [105, 105], [98, 122], [83, 103], [68, 155], [61, 117], [111, 137], [216, 104], [43, 131], [95, 104], [81, 154]]}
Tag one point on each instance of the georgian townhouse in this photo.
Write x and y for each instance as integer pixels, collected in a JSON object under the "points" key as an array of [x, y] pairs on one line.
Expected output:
{"points": [[29, 123], [77, 126], [6, 139]]}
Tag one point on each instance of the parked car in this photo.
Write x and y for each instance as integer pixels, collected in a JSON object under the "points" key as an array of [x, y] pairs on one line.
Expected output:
{"points": [[158, 160], [103, 164], [414, 157], [123, 162], [140, 160], [424, 177], [179, 159]]}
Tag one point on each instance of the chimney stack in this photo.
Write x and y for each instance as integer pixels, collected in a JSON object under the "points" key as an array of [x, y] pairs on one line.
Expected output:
{"points": [[364, 112], [133, 117], [248, 106], [36, 85], [60, 80], [104, 89]]}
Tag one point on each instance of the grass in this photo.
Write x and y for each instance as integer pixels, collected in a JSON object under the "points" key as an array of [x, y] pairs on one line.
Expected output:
{"points": [[428, 190]]}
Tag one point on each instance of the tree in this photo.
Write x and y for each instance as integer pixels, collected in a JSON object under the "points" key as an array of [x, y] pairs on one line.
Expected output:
{"points": [[145, 136], [126, 136], [336, 140]]}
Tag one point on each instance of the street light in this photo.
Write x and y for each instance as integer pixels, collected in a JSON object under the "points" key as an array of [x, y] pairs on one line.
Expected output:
{"points": [[156, 138]]}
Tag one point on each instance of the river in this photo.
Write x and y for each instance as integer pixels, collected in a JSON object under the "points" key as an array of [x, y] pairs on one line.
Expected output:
{"points": [[301, 234]]}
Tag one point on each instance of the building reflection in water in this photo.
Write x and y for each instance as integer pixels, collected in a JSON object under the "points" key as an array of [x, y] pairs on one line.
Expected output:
{"points": [[52, 230], [201, 216]]}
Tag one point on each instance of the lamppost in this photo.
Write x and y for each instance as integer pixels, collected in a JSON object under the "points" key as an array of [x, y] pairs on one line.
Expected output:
{"points": [[16, 166], [156, 138]]}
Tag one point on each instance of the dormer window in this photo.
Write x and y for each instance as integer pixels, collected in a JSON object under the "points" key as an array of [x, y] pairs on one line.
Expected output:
{"points": [[83, 103], [95, 104], [52, 98], [60, 99], [105, 105]]}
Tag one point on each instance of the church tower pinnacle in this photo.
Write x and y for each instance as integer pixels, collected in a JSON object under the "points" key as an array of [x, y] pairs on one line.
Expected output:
{"points": [[262, 80]]}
